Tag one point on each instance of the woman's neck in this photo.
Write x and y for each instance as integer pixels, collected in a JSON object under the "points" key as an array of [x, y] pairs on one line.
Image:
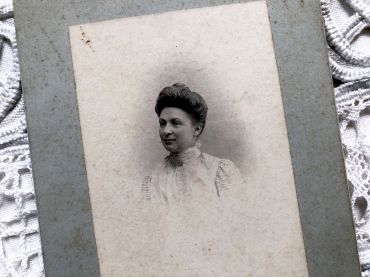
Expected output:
{"points": [[185, 156]]}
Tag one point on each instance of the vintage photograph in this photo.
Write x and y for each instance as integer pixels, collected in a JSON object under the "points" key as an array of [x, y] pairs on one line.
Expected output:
{"points": [[186, 146], [186, 172]]}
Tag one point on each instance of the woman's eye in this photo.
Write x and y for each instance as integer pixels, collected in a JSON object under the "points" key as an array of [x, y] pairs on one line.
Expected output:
{"points": [[162, 123], [176, 123]]}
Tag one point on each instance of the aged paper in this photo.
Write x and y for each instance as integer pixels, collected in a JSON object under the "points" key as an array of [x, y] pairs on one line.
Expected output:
{"points": [[226, 54]]}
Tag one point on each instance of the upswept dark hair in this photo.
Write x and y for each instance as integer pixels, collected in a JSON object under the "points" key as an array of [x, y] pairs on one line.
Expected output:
{"points": [[180, 96]]}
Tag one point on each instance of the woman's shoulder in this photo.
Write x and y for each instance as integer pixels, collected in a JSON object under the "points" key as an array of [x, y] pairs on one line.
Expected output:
{"points": [[222, 163], [227, 175]]}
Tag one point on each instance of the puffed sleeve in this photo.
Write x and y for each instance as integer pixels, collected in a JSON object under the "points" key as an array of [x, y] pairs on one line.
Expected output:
{"points": [[228, 178]]}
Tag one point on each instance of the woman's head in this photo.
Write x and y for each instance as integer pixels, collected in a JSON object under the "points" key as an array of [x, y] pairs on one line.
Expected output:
{"points": [[182, 116]]}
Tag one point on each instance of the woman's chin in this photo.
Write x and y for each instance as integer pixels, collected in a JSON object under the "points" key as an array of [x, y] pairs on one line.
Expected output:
{"points": [[171, 149]]}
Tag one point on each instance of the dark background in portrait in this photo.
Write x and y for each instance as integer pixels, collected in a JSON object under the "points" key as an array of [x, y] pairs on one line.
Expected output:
{"points": [[225, 134]]}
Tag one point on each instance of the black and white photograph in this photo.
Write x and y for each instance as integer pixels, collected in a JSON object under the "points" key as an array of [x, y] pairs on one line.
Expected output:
{"points": [[186, 147], [187, 172]]}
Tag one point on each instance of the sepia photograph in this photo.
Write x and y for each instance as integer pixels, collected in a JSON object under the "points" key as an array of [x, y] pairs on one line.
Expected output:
{"points": [[185, 143], [186, 173]]}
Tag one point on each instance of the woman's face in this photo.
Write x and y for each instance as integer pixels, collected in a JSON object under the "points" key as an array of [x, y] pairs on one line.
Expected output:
{"points": [[177, 129]]}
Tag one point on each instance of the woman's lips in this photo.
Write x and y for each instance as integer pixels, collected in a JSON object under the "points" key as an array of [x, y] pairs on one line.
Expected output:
{"points": [[169, 141]]}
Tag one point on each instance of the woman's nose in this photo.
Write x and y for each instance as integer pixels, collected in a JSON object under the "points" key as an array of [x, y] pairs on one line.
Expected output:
{"points": [[167, 130]]}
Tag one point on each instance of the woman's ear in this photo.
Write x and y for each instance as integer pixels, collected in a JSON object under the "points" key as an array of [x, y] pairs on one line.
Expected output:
{"points": [[198, 129]]}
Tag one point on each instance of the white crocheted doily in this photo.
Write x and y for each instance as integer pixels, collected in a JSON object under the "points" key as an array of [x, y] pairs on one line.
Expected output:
{"points": [[20, 248], [347, 25]]}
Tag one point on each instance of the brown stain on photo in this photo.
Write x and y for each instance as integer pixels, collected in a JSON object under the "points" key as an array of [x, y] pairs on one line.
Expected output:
{"points": [[86, 40]]}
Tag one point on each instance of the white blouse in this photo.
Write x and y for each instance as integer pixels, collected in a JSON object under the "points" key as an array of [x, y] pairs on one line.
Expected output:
{"points": [[193, 216], [191, 175]]}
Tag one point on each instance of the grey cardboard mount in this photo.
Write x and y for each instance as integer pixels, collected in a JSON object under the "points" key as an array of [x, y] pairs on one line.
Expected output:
{"points": [[65, 218]]}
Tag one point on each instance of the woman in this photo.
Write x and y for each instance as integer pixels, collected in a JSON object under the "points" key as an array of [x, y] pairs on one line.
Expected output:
{"points": [[186, 173]]}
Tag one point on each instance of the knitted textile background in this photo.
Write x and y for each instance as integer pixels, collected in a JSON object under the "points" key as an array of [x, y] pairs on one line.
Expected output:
{"points": [[20, 248], [347, 25]]}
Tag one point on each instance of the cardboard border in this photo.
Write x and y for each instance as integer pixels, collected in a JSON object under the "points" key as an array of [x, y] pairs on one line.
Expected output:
{"points": [[314, 138]]}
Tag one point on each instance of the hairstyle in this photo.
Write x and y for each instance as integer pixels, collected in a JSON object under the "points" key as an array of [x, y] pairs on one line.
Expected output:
{"points": [[180, 96]]}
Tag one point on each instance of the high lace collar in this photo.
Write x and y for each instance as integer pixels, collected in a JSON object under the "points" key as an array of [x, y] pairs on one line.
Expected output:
{"points": [[184, 157]]}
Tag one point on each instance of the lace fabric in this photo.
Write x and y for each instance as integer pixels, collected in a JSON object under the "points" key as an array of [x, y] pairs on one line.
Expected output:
{"points": [[348, 63], [346, 24], [20, 248], [353, 106]]}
